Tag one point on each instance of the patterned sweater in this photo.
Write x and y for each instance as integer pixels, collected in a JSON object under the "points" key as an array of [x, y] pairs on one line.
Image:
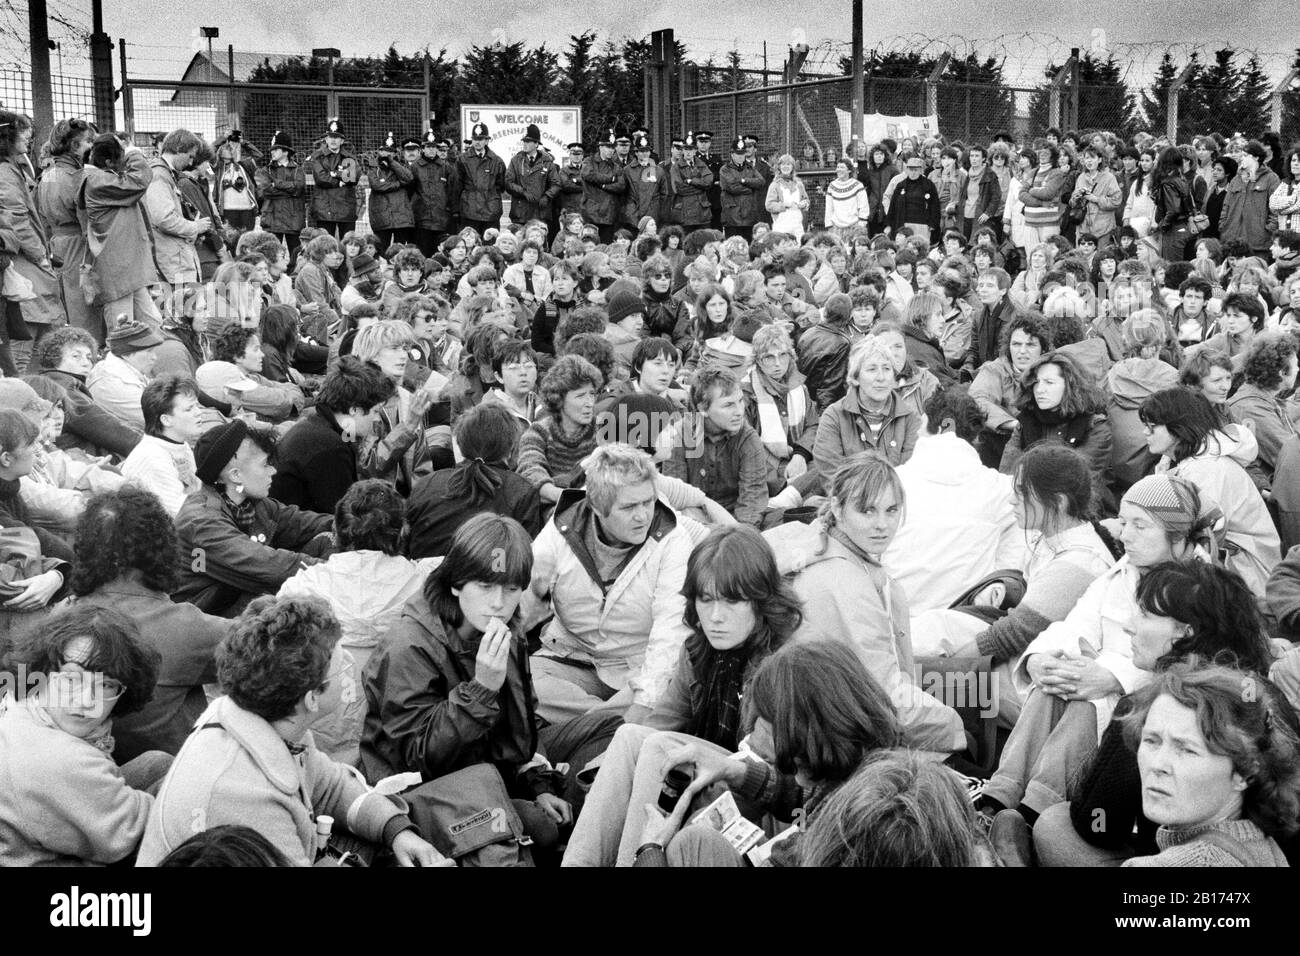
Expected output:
{"points": [[546, 454]]}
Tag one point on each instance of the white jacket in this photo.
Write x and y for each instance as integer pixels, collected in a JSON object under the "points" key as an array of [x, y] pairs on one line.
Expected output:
{"points": [[164, 467], [117, 388], [514, 275], [1219, 474], [1103, 617], [958, 525], [632, 633]]}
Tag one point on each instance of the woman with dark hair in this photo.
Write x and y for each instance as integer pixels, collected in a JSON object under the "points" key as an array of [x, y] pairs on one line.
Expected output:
{"points": [[1270, 371], [899, 809], [186, 344], [475, 377], [1067, 551], [1061, 403], [876, 174], [1074, 673], [1285, 201], [998, 388], [278, 330], [482, 480], [1174, 204], [28, 244], [225, 846], [252, 760], [318, 301], [1197, 444], [63, 802], [271, 401], [550, 450], [56, 199], [451, 686], [740, 611], [816, 714], [665, 316], [366, 583], [125, 548]]}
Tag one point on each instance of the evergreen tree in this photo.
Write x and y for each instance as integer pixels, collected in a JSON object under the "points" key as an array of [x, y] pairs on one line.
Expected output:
{"points": [[1155, 104], [1217, 91], [1291, 107], [1255, 103]]}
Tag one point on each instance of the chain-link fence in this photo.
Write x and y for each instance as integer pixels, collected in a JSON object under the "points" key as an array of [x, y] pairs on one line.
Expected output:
{"points": [[73, 96]]}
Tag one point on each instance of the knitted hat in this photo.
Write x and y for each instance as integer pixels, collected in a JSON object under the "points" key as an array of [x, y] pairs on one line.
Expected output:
{"points": [[1171, 501], [215, 448], [18, 395], [364, 265], [747, 322], [623, 303], [130, 336]]}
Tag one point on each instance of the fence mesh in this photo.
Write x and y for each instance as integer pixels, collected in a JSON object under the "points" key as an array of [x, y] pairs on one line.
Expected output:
{"points": [[73, 96]]}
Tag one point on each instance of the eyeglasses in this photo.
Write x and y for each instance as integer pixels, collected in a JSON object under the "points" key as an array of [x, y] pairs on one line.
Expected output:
{"points": [[519, 367]]}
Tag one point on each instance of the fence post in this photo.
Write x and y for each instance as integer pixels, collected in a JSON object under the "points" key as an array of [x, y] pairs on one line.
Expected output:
{"points": [[1275, 101], [425, 108], [128, 104], [42, 90], [1171, 104], [931, 105], [232, 96], [101, 70], [857, 129], [1074, 88]]}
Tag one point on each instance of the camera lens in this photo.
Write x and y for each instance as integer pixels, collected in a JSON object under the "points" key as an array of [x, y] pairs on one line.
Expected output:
{"points": [[676, 782]]}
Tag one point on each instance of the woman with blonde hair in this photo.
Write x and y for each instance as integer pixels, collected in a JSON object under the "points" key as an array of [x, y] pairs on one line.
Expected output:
{"points": [[871, 416], [787, 199], [1025, 291], [396, 452]]}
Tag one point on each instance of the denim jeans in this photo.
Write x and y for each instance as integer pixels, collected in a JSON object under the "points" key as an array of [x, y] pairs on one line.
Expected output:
{"points": [[1051, 739], [631, 775]]}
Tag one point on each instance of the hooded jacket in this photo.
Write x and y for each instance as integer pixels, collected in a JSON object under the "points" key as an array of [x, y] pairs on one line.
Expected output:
{"points": [[119, 240], [632, 632], [1131, 382], [426, 713], [848, 600], [1270, 418], [1219, 473], [959, 528]]}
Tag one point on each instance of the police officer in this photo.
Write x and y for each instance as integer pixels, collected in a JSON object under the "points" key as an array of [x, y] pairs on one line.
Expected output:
{"points": [[282, 186], [689, 180], [532, 180], [604, 187], [622, 148], [482, 181], [743, 191], [645, 185], [765, 170], [704, 142], [391, 217], [437, 185], [335, 173]]}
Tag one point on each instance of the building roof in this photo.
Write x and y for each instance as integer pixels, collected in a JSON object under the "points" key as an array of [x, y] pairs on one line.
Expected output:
{"points": [[245, 64]]}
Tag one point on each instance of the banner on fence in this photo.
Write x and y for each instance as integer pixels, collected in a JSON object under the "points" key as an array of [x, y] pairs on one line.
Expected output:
{"points": [[878, 126], [559, 126]]}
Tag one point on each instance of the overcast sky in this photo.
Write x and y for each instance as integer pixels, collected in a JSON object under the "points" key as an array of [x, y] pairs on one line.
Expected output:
{"points": [[160, 30]]}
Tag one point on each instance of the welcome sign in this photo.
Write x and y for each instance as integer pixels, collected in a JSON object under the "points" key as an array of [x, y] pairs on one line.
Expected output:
{"points": [[559, 126]]}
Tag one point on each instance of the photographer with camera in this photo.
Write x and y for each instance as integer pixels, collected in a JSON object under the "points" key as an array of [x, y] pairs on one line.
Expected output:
{"points": [[391, 217], [236, 171]]}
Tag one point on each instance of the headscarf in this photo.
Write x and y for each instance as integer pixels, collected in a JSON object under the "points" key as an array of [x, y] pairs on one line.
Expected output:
{"points": [[1177, 507]]}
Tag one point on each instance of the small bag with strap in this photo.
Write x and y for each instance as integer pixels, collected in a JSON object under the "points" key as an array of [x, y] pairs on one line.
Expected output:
{"points": [[469, 816]]}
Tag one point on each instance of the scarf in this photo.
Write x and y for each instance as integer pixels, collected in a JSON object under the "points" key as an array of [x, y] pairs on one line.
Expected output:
{"points": [[720, 676], [767, 390], [1036, 425], [244, 513], [102, 739]]}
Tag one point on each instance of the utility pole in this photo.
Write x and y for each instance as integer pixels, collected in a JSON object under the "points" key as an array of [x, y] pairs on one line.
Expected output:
{"points": [[859, 73], [42, 90], [101, 69]]}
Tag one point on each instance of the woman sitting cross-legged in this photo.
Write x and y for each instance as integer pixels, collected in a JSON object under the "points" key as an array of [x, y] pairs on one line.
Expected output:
{"points": [[251, 758], [740, 611], [63, 802], [1072, 674], [1187, 611], [816, 715]]}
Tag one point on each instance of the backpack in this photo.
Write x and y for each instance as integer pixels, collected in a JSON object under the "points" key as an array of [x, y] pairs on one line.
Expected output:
{"points": [[469, 817]]}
